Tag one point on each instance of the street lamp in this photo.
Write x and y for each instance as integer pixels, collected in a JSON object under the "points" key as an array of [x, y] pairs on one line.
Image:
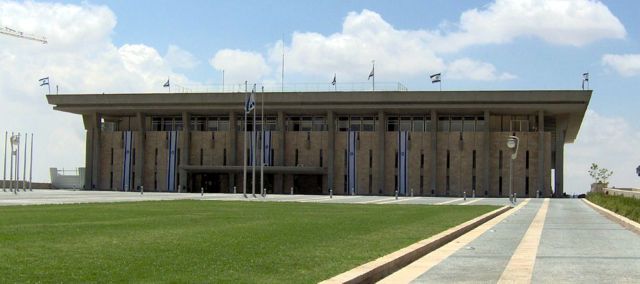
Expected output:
{"points": [[512, 142]]}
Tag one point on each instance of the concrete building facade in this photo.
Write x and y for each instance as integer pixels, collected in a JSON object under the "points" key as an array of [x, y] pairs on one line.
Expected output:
{"points": [[456, 140]]}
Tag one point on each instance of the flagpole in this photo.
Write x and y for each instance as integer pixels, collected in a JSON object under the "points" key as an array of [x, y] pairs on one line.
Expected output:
{"points": [[282, 76], [440, 84], [223, 80], [262, 148], [31, 164], [24, 166], [49, 85], [253, 152], [374, 74], [4, 168], [244, 145]]}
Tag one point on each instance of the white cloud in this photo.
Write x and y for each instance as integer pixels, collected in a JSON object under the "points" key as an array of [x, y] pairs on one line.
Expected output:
{"points": [[466, 68], [627, 64], [80, 58], [177, 57], [240, 66], [564, 22], [611, 142]]}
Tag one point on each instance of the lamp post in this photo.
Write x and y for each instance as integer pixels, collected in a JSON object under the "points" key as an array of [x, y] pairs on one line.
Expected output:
{"points": [[512, 142]]}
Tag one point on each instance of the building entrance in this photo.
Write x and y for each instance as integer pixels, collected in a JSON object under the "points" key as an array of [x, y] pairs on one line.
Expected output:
{"points": [[307, 184], [210, 182]]}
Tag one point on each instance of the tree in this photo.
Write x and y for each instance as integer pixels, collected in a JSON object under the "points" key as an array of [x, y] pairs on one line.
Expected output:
{"points": [[600, 175]]}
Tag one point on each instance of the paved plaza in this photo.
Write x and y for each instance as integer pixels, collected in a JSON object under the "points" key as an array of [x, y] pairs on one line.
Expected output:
{"points": [[539, 240]]}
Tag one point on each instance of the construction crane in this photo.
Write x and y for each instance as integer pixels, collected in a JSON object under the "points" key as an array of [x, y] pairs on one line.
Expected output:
{"points": [[12, 32]]}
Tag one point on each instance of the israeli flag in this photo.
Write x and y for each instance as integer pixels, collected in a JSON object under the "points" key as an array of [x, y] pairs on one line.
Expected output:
{"points": [[435, 78], [127, 136], [351, 163], [402, 162], [251, 103], [44, 81], [172, 160], [266, 148]]}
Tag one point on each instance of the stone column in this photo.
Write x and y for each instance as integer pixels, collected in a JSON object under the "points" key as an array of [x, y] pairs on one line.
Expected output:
{"points": [[89, 140], [233, 148], [140, 147], [541, 155], [561, 130], [331, 123], [487, 153], [434, 151], [382, 125], [186, 147], [279, 178]]}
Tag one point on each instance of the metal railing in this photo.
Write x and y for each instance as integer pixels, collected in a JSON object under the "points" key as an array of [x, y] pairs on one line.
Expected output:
{"points": [[290, 87]]}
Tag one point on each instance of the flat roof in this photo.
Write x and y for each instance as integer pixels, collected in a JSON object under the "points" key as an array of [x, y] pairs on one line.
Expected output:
{"points": [[572, 103]]}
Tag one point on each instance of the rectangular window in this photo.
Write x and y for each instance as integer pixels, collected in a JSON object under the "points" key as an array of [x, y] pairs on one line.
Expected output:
{"points": [[155, 181], [448, 159], [499, 186], [456, 123], [526, 186], [443, 123], [112, 156], [500, 160], [469, 124], [396, 160], [156, 124], [321, 158], [392, 124], [395, 182], [527, 160], [201, 156], [133, 155], [224, 157], [223, 124], [155, 158], [343, 123], [473, 162], [296, 163], [421, 185], [111, 180], [212, 124], [319, 124], [354, 124], [418, 123], [480, 123], [306, 123], [178, 156], [370, 158], [370, 184], [368, 124], [422, 160]]}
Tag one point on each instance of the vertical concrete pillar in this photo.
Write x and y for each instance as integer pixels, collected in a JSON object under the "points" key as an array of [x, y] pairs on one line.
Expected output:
{"points": [[140, 147], [486, 147], [97, 149], [434, 151], [561, 130], [279, 178], [233, 148], [88, 161], [541, 155], [382, 125], [186, 147], [331, 123]]}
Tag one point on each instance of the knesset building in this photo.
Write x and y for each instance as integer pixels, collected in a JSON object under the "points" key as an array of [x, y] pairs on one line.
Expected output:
{"points": [[431, 143]]}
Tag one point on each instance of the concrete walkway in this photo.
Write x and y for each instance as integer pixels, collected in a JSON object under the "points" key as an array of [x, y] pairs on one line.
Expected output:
{"points": [[540, 241]]}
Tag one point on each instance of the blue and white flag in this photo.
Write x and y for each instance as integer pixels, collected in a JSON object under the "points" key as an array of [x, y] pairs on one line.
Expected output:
{"points": [[372, 73], [334, 80], [127, 137], [266, 148], [351, 163], [172, 165], [167, 84], [402, 162], [435, 78], [44, 81], [251, 103]]}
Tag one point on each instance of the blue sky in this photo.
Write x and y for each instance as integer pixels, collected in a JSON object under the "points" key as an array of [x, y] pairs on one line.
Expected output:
{"points": [[133, 46]]}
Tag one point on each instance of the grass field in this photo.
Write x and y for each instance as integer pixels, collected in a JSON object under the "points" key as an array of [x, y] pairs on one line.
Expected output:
{"points": [[625, 206], [208, 241]]}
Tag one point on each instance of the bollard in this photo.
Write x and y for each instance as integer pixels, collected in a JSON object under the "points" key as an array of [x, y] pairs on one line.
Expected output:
{"points": [[330, 193], [474, 193], [202, 191], [264, 192], [412, 192], [515, 197], [141, 190], [537, 193], [396, 195], [464, 195], [291, 191], [234, 189]]}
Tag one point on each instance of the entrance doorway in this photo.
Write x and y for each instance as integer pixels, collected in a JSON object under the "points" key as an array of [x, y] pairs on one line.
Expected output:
{"points": [[210, 182], [307, 184]]}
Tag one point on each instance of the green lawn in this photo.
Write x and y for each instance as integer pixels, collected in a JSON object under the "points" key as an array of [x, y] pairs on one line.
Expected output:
{"points": [[208, 241], [625, 206]]}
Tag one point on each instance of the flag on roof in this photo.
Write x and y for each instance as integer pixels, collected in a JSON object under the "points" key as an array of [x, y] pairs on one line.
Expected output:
{"points": [[44, 81], [435, 78]]}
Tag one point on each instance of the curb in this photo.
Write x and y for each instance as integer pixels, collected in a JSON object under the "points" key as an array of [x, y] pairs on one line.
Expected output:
{"points": [[386, 265], [624, 221]]}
